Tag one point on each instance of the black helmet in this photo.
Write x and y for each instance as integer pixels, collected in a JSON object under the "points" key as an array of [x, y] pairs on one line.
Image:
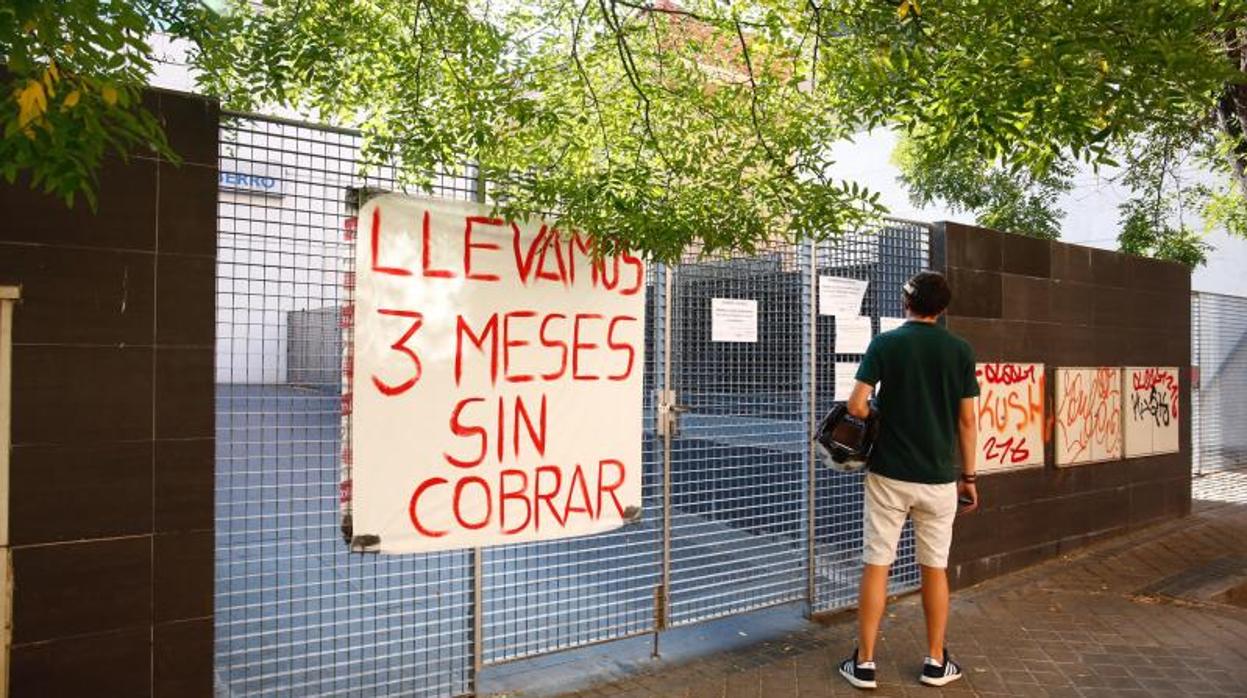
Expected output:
{"points": [[843, 441]]}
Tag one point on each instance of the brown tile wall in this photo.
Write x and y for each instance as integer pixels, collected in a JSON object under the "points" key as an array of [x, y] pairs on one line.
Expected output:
{"points": [[1020, 299], [111, 504]]}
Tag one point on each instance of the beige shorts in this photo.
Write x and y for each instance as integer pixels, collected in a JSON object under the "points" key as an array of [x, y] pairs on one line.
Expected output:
{"points": [[889, 501]]}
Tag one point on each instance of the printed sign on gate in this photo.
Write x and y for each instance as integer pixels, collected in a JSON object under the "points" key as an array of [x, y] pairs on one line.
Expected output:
{"points": [[494, 380], [1088, 415], [1010, 410], [1152, 410]]}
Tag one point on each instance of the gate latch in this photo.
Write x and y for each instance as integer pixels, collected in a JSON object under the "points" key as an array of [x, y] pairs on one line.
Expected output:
{"points": [[669, 412]]}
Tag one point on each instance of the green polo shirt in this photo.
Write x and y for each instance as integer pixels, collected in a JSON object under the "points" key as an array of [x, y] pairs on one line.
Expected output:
{"points": [[925, 371]]}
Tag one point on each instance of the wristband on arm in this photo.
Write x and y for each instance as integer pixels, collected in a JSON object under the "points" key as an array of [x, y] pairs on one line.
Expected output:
{"points": [[969, 478]]}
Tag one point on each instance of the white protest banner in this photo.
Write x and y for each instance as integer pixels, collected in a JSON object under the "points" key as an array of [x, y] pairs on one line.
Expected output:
{"points": [[494, 381], [840, 296]]}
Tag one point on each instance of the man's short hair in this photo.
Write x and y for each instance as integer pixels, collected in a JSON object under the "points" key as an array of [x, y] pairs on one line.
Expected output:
{"points": [[927, 294]]}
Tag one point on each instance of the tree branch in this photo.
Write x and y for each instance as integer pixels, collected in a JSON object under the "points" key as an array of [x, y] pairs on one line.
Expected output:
{"points": [[634, 76], [584, 76], [753, 96]]}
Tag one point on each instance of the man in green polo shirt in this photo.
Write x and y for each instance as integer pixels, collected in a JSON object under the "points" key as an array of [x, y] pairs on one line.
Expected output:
{"points": [[926, 401]]}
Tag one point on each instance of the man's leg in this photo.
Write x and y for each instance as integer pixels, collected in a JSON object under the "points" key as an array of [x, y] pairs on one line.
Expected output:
{"points": [[935, 607], [871, 600], [933, 514], [886, 510]]}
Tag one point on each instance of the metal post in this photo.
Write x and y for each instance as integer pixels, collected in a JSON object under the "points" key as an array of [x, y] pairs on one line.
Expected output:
{"points": [[8, 295], [812, 472], [661, 606], [478, 595]]}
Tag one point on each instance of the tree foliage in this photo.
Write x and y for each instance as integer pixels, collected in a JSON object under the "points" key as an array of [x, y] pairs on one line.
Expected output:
{"points": [[704, 125], [1147, 90], [1017, 201], [70, 88], [661, 129]]}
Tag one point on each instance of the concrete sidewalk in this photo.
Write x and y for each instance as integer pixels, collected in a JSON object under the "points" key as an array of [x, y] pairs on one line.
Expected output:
{"points": [[1139, 615]]}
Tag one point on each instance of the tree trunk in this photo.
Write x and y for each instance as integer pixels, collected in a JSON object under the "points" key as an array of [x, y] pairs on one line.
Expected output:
{"points": [[1232, 112]]}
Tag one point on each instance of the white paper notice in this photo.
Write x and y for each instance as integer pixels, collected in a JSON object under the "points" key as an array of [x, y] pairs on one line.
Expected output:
{"points": [[846, 372], [733, 320], [852, 334], [840, 296], [887, 324]]}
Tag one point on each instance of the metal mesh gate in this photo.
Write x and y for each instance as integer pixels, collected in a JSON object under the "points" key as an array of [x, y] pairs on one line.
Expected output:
{"points": [[296, 614], [1219, 349], [739, 460], [884, 258]]}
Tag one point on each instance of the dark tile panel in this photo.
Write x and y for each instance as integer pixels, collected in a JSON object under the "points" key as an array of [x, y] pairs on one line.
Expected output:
{"points": [[81, 588], [184, 476], [74, 492], [1153, 347], [124, 219], [188, 201], [1154, 274], [1074, 345], [183, 575], [1042, 521], [1109, 268], [1073, 303], [982, 334], [110, 664], [1026, 298], [1031, 485], [1111, 347], [963, 573], [995, 531], [938, 246], [193, 124], [182, 655], [1147, 501], [1022, 341], [1115, 307], [80, 296], [971, 247], [1072, 263], [1025, 255], [185, 300], [975, 293], [1146, 309], [184, 393], [81, 395]]}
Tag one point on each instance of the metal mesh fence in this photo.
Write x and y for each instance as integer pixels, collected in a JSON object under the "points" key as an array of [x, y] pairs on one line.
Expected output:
{"points": [[1219, 349], [296, 614], [885, 258]]}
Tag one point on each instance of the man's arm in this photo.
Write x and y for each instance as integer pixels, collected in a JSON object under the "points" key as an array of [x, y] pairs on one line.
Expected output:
{"points": [[968, 437], [859, 405]]}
